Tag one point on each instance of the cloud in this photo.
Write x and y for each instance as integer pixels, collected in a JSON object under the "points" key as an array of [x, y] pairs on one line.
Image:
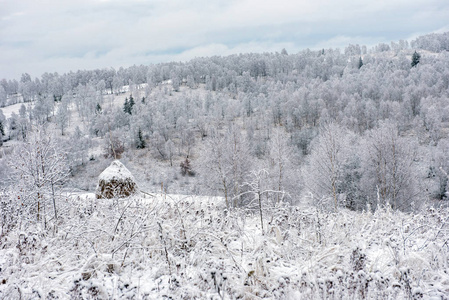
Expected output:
{"points": [[51, 35]]}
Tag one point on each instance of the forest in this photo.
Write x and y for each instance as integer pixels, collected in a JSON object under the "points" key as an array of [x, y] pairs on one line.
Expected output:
{"points": [[336, 160]]}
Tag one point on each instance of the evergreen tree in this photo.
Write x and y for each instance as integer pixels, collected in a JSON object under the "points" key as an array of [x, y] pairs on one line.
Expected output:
{"points": [[131, 102], [140, 140], [98, 109], [126, 106], [415, 59], [2, 130], [360, 62], [2, 123]]}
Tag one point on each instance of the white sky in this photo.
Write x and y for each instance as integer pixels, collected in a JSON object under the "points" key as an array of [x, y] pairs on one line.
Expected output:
{"points": [[63, 35]]}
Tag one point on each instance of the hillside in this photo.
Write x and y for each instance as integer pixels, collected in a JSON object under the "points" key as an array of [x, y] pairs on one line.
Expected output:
{"points": [[319, 174]]}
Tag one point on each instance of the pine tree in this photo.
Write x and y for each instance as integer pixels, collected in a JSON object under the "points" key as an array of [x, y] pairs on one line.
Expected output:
{"points": [[2, 130], [140, 140], [98, 109], [126, 106], [131, 103], [415, 59], [360, 62]]}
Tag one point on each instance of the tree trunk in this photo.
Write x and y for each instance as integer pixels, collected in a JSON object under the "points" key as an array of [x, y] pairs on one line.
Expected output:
{"points": [[260, 209], [54, 199]]}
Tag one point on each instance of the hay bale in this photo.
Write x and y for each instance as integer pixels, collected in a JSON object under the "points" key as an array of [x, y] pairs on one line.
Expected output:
{"points": [[116, 181]]}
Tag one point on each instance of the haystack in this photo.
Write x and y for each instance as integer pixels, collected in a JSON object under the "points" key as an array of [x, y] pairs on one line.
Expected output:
{"points": [[116, 181]]}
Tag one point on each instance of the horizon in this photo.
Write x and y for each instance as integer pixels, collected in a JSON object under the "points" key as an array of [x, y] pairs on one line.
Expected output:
{"points": [[71, 36]]}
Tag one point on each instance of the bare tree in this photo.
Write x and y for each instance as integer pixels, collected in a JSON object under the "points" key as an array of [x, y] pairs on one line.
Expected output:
{"points": [[40, 168], [324, 172], [3, 96], [170, 150], [256, 188], [63, 114], [224, 164], [390, 172], [281, 161]]}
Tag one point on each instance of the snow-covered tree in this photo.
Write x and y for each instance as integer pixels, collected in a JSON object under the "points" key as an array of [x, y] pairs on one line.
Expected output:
{"points": [[77, 148], [390, 168], [63, 114], [282, 164], [3, 96], [170, 150], [325, 172], [225, 163], [40, 168]]}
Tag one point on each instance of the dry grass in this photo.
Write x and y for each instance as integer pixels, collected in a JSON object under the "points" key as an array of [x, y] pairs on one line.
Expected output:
{"points": [[116, 188]]}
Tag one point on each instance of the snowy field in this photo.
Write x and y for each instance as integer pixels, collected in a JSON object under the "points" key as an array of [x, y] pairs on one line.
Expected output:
{"points": [[182, 247], [15, 108]]}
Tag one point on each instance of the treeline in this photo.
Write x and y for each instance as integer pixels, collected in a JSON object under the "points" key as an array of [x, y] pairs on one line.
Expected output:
{"points": [[218, 72], [352, 128]]}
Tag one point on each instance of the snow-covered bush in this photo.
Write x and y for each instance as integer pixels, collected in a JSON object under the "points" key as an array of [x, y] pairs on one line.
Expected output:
{"points": [[192, 247]]}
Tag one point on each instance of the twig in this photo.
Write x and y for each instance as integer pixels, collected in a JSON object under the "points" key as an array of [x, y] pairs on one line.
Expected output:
{"points": [[165, 246]]}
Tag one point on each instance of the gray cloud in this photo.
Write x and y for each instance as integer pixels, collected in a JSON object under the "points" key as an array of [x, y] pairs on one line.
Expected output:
{"points": [[52, 35]]}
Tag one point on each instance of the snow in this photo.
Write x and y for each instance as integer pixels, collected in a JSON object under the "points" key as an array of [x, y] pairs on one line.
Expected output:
{"points": [[163, 245], [159, 245], [8, 110], [116, 171]]}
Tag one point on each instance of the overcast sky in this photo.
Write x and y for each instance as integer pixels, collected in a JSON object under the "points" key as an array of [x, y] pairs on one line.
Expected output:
{"points": [[63, 35]]}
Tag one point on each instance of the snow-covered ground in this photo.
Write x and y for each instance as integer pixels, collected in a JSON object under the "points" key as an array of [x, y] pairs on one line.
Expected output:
{"points": [[15, 108], [110, 99], [162, 246]]}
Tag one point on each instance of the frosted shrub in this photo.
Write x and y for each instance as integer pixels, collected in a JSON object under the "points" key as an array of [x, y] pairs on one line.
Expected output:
{"points": [[185, 247], [358, 260]]}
